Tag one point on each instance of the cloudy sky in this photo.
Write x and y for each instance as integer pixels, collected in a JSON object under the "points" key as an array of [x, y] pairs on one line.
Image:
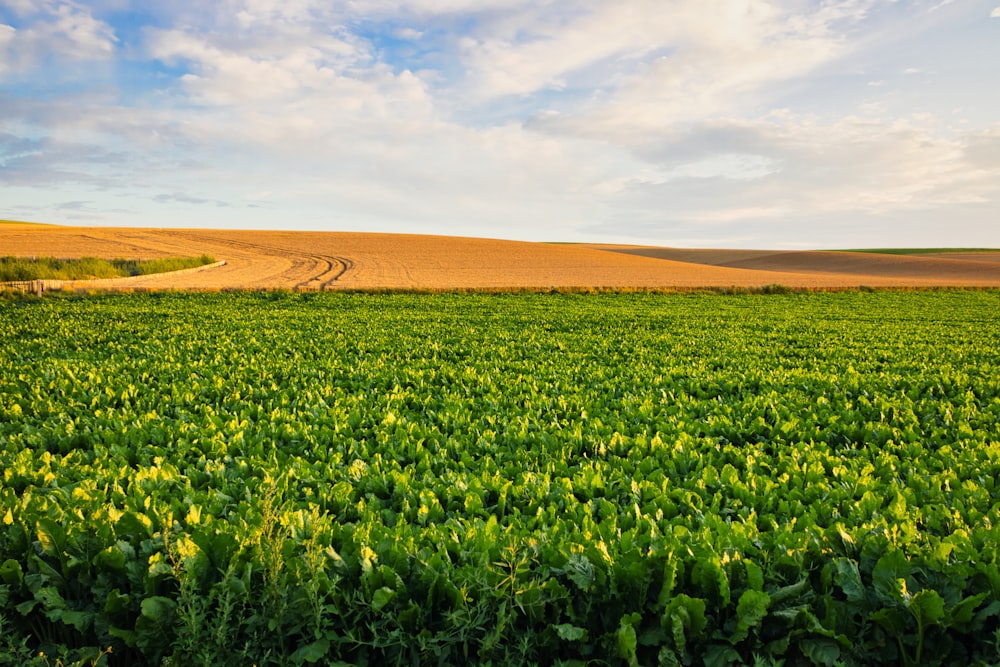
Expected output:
{"points": [[699, 123]]}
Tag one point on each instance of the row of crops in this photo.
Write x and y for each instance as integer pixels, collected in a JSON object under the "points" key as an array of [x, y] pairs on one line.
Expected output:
{"points": [[279, 479]]}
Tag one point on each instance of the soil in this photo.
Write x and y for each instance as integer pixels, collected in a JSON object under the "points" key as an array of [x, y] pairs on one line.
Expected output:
{"points": [[358, 261]]}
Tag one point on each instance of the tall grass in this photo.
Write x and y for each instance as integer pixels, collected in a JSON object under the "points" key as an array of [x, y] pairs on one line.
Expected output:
{"points": [[88, 268]]}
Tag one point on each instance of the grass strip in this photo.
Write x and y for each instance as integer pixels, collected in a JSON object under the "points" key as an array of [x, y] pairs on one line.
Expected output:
{"points": [[88, 268]]}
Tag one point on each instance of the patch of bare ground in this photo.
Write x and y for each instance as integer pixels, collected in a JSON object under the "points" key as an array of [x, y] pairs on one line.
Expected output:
{"points": [[941, 269], [360, 261]]}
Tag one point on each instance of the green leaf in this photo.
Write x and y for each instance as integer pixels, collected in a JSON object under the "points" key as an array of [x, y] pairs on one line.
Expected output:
{"points": [[43, 574], [409, 618], [235, 585], [11, 573], [962, 613], [720, 655], [849, 579], [685, 617], [154, 626], [755, 575], [890, 569], [653, 636], [791, 592], [50, 598], [313, 652], [158, 608], [844, 535], [711, 577], [667, 657], [989, 611], [627, 641], [669, 580], [51, 537], [927, 607], [219, 547], [128, 636], [580, 571], [750, 612], [133, 526], [111, 558], [571, 633], [824, 652], [25, 607], [382, 597], [116, 603], [891, 619], [80, 620]]}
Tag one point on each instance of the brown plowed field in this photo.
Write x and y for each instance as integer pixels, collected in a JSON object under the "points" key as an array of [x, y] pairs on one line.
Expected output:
{"points": [[343, 260], [960, 268]]}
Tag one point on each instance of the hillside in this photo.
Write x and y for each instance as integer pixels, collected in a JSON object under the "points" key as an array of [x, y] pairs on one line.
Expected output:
{"points": [[347, 260]]}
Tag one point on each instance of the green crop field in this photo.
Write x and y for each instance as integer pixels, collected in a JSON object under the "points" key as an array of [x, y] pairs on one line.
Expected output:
{"points": [[288, 479]]}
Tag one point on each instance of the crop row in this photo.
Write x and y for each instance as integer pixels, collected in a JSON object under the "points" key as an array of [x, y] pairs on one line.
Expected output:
{"points": [[634, 479]]}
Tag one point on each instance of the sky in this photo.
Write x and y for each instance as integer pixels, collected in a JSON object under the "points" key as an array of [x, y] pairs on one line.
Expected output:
{"points": [[778, 124]]}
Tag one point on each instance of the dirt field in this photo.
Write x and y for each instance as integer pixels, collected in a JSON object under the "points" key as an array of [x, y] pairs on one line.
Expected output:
{"points": [[963, 268], [334, 260]]}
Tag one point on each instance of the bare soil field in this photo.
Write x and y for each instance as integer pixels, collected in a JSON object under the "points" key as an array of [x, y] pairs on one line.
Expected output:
{"points": [[944, 268], [347, 260]]}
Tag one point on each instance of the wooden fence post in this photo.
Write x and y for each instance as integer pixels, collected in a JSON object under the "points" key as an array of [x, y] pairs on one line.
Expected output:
{"points": [[38, 287]]}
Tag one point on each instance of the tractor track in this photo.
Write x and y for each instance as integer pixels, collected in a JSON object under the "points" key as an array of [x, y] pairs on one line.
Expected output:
{"points": [[323, 271]]}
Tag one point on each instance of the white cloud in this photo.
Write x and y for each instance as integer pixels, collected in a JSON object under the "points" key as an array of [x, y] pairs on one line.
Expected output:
{"points": [[22, 7], [313, 98], [64, 31], [734, 166], [223, 74], [707, 62], [995, 14], [409, 34], [7, 35], [438, 7], [941, 5], [732, 44], [854, 168]]}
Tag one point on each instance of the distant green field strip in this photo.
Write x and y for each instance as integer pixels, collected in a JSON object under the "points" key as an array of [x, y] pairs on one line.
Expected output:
{"points": [[607, 480], [916, 251], [21, 222], [88, 268]]}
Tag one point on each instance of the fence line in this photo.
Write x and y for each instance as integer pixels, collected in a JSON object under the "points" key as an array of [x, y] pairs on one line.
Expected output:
{"points": [[36, 286]]}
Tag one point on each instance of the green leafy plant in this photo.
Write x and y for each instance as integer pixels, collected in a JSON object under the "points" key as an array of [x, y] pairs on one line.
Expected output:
{"points": [[275, 479]]}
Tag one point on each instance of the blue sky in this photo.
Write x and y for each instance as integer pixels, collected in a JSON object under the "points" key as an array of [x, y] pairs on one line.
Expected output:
{"points": [[695, 123]]}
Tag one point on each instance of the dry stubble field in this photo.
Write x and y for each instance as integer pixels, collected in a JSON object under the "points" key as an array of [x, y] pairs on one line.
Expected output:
{"points": [[358, 261]]}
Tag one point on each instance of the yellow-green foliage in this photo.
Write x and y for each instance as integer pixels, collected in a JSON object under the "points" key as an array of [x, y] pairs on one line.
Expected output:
{"points": [[87, 268], [281, 479]]}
